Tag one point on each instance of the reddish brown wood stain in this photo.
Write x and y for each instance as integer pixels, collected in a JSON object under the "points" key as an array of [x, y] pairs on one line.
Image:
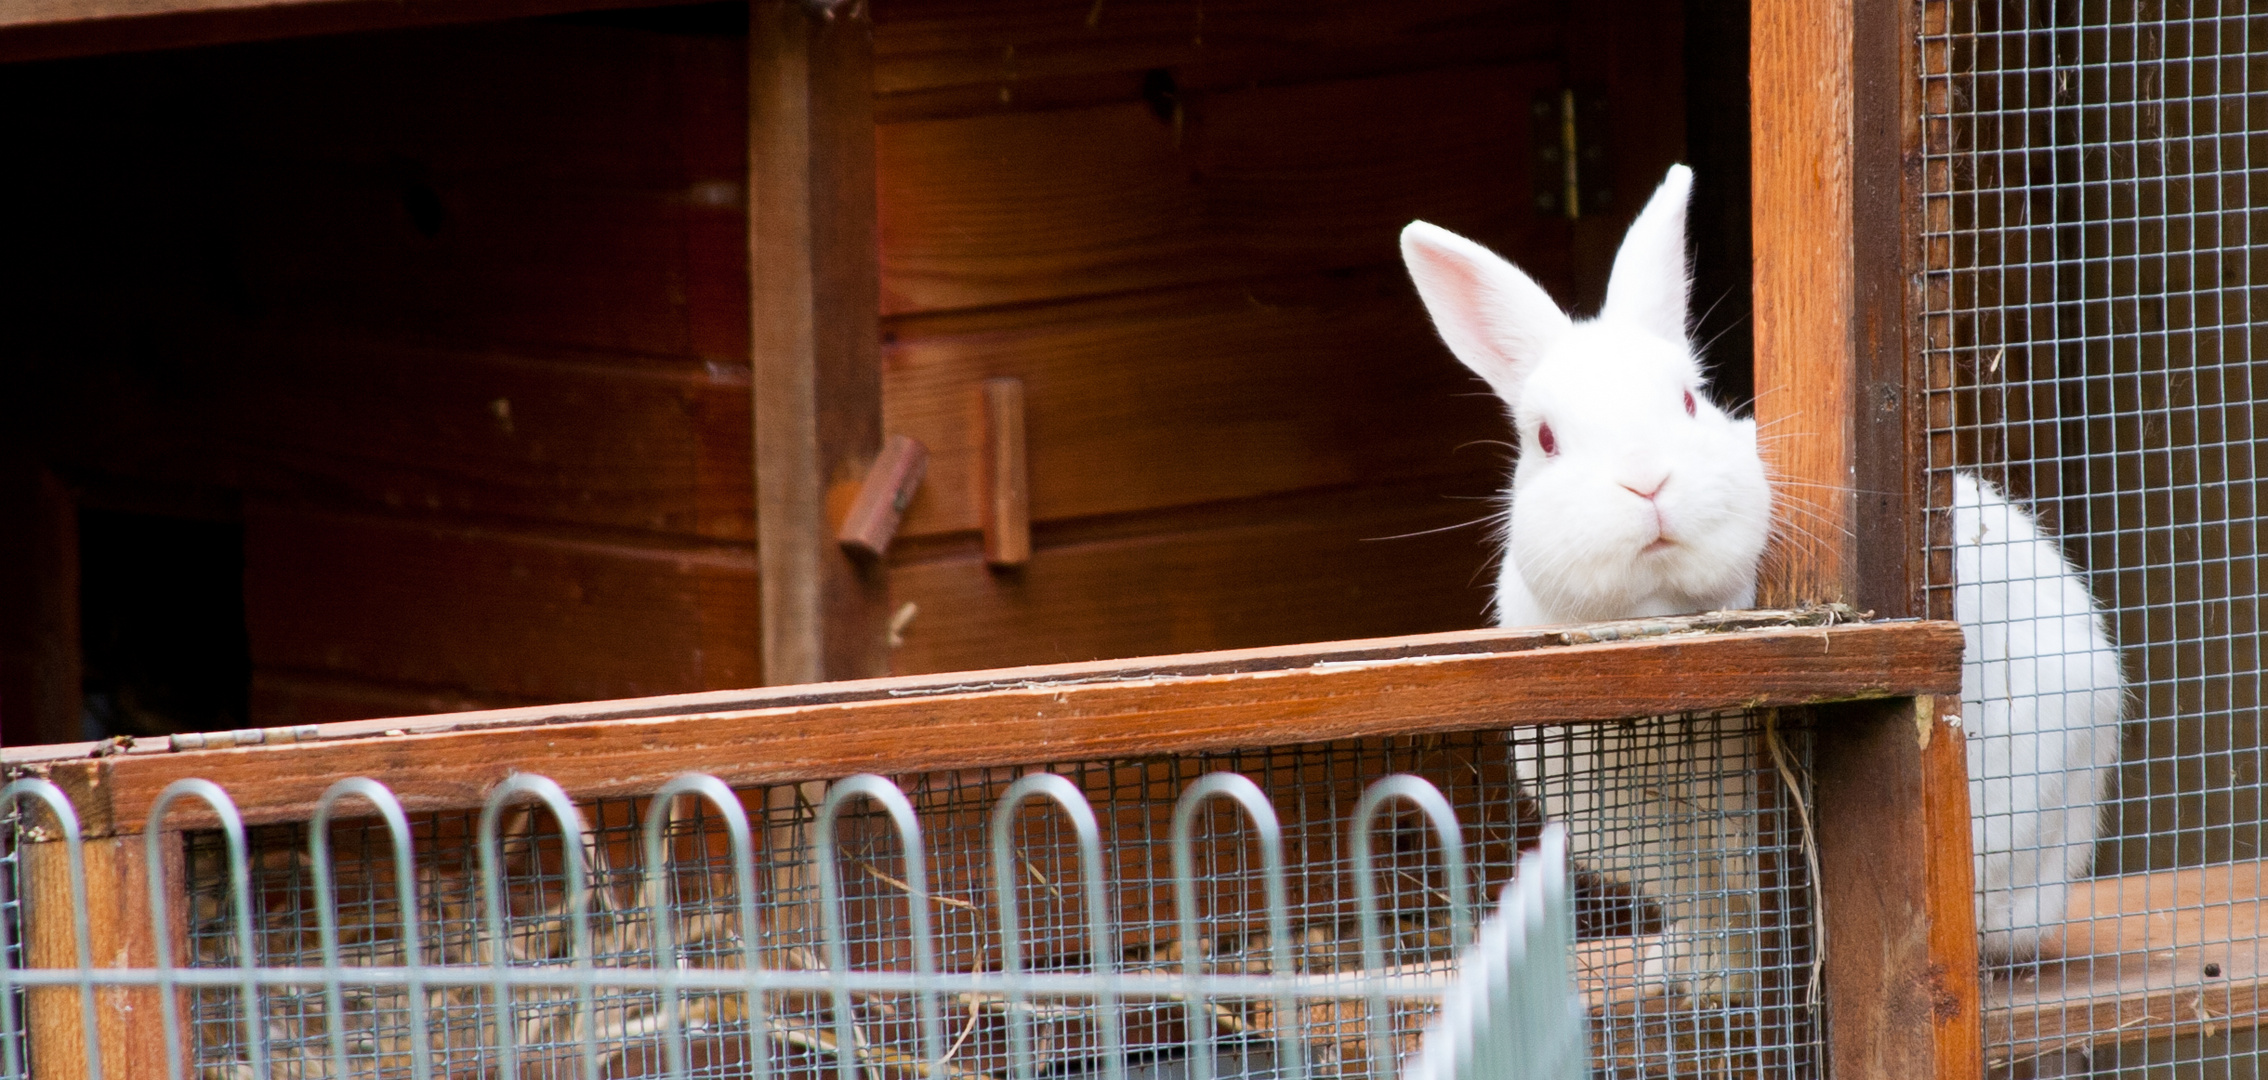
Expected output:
{"points": [[468, 356], [1176, 225], [1024, 720]]}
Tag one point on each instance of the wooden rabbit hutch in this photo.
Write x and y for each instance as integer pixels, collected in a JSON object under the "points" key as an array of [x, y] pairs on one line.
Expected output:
{"points": [[383, 360]]}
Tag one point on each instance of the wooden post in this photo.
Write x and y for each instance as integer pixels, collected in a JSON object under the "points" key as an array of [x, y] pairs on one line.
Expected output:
{"points": [[1897, 893], [1833, 113], [1834, 120], [814, 281], [128, 1025]]}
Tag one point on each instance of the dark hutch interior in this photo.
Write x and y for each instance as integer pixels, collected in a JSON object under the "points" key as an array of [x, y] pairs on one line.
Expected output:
{"points": [[365, 361]]}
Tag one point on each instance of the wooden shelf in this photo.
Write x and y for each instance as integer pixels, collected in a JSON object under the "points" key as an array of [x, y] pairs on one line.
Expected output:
{"points": [[49, 29], [1463, 681], [2136, 951]]}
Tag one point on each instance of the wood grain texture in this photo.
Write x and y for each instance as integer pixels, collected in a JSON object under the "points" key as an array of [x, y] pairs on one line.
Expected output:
{"points": [[487, 298], [129, 1039], [1888, 509], [1214, 662], [525, 616], [1177, 397], [538, 184], [1897, 896], [1018, 716], [1803, 200], [1005, 491], [289, 698], [1316, 566], [1022, 207], [818, 412], [49, 29], [880, 506], [958, 57], [2135, 953], [504, 299], [656, 447], [1950, 878]]}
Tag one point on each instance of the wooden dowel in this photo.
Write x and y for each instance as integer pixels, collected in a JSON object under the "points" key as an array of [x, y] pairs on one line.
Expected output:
{"points": [[1006, 498], [888, 489]]}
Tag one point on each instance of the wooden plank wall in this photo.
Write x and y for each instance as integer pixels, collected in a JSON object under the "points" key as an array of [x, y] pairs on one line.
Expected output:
{"points": [[455, 321], [1175, 222]]}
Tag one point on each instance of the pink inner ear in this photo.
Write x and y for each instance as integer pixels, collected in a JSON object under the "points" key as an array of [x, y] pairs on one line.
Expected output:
{"points": [[1458, 277], [1457, 282]]}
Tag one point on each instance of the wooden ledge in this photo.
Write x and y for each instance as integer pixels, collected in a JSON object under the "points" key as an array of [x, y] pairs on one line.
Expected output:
{"points": [[1476, 680], [2146, 956], [51, 29]]}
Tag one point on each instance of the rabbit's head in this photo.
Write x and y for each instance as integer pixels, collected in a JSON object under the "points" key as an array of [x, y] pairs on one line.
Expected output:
{"points": [[1635, 494]]}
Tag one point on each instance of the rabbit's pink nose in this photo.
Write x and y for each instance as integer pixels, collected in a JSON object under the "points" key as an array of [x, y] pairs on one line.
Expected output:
{"points": [[1642, 481]]}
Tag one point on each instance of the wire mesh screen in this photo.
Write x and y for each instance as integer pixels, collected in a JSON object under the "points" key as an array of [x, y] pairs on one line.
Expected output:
{"points": [[1289, 912], [2092, 173]]}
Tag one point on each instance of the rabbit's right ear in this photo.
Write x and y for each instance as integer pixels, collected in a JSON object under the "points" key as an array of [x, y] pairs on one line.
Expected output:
{"points": [[1495, 318]]}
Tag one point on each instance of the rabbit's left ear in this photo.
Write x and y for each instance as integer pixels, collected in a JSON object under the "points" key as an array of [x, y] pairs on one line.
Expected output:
{"points": [[1492, 316], [1650, 287]]}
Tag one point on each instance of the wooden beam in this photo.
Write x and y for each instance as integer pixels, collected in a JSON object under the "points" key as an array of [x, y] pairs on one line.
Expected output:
{"points": [[128, 1034], [2142, 956], [52, 29], [1890, 523], [1897, 892], [1021, 716], [1832, 116], [815, 293], [1800, 120]]}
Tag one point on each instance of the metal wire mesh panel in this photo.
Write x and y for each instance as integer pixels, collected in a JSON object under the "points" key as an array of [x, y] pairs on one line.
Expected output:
{"points": [[1691, 834], [1692, 909], [2093, 173]]}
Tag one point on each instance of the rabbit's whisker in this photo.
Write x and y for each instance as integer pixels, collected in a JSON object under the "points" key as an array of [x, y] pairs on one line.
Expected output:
{"points": [[1445, 528]]}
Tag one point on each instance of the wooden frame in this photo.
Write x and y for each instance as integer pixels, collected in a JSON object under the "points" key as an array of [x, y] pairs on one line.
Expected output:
{"points": [[118, 925], [1476, 680], [815, 302], [1869, 687], [1834, 204]]}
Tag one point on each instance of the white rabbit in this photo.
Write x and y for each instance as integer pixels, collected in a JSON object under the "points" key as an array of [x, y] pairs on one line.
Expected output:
{"points": [[2043, 692], [1636, 495]]}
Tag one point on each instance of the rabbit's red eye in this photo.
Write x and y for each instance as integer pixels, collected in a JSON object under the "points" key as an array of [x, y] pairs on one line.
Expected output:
{"points": [[1689, 407], [1543, 439]]}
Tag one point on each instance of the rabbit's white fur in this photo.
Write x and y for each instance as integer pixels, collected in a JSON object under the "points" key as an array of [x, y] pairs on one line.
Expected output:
{"points": [[2042, 690], [1650, 500]]}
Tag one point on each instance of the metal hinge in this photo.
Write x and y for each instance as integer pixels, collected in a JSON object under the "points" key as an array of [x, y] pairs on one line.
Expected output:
{"points": [[1570, 154]]}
